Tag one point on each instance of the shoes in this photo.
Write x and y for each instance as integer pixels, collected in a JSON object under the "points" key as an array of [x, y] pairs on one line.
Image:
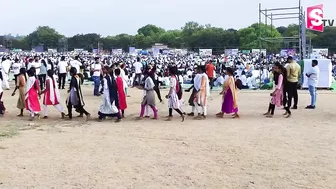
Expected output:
{"points": [[310, 107]]}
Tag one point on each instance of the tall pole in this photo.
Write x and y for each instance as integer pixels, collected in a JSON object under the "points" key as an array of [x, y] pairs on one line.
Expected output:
{"points": [[259, 30]]}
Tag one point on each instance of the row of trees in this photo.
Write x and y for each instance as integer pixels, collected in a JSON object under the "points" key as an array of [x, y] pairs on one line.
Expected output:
{"points": [[192, 36]]}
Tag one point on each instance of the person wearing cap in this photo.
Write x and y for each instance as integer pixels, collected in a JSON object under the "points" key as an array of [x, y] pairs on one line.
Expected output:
{"points": [[313, 76], [293, 75]]}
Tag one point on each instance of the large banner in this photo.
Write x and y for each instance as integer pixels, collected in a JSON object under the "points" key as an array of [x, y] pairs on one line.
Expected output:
{"points": [[156, 51], [117, 51], [78, 50], [323, 52], [132, 50], [51, 51], [263, 51], [246, 51], [3, 49], [231, 51], [258, 51], [95, 51], [255, 51], [287, 52], [38, 49], [205, 52]]}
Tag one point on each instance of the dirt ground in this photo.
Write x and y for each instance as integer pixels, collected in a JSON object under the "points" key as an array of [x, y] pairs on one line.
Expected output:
{"points": [[252, 152]]}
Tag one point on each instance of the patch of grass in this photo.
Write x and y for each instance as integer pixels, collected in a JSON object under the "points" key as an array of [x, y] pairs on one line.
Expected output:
{"points": [[9, 130]]}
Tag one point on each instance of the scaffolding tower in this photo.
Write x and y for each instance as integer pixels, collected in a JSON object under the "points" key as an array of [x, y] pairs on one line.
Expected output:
{"points": [[286, 13]]}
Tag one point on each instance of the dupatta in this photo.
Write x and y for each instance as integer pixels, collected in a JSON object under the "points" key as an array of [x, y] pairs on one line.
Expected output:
{"points": [[230, 84]]}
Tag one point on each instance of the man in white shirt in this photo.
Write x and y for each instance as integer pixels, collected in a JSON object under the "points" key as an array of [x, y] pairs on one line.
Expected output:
{"points": [[96, 71], [76, 64], [37, 65], [313, 76], [16, 66], [5, 66], [138, 72], [62, 72]]}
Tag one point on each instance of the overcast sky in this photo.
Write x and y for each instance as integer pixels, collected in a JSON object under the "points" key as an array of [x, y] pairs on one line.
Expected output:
{"points": [[111, 17]]}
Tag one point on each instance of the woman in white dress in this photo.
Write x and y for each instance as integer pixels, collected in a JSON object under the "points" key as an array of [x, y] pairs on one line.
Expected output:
{"points": [[173, 99], [110, 102]]}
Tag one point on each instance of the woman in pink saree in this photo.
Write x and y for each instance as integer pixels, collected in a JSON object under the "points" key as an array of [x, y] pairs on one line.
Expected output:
{"points": [[32, 95], [229, 92]]}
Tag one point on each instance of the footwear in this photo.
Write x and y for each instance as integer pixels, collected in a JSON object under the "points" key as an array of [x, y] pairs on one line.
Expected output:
{"points": [[294, 108], [269, 116], [182, 117], [63, 115], [45, 117], [235, 116], [220, 115], [267, 113], [88, 117], [191, 114], [199, 117], [310, 107]]}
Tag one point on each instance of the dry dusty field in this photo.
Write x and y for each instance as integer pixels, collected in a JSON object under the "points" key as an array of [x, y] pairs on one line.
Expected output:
{"points": [[252, 152]]}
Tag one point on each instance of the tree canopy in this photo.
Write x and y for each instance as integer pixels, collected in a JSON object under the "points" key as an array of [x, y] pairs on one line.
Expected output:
{"points": [[191, 36]]}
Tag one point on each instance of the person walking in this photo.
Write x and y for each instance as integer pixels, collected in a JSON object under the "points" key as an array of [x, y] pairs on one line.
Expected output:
{"points": [[138, 72], [277, 94], [32, 95], [293, 74], [52, 96], [313, 77], [210, 71], [62, 72], [96, 69], [43, 74], [75, 96]]}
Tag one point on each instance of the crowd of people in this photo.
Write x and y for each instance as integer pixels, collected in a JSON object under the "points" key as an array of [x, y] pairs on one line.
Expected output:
{"points": [[39, 75]]}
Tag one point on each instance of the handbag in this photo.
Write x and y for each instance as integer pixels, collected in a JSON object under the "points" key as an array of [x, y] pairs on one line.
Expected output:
{"points": [[74, 97]]}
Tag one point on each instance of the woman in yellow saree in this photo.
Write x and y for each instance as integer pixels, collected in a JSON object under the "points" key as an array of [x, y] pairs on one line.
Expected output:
{"points": [[229, 104]]}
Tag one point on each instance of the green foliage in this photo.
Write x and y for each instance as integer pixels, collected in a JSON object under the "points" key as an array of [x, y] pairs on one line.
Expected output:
{"points": [[44, 35], [192, 36], [249, 37]]}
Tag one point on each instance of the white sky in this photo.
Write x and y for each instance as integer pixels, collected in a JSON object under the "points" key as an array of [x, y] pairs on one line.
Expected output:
{"points": [[111, 17]]}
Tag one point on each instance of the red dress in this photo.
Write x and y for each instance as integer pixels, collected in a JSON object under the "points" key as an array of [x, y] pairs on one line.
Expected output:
{"points": [[121, 93], [49, 98], [32, 98]]}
